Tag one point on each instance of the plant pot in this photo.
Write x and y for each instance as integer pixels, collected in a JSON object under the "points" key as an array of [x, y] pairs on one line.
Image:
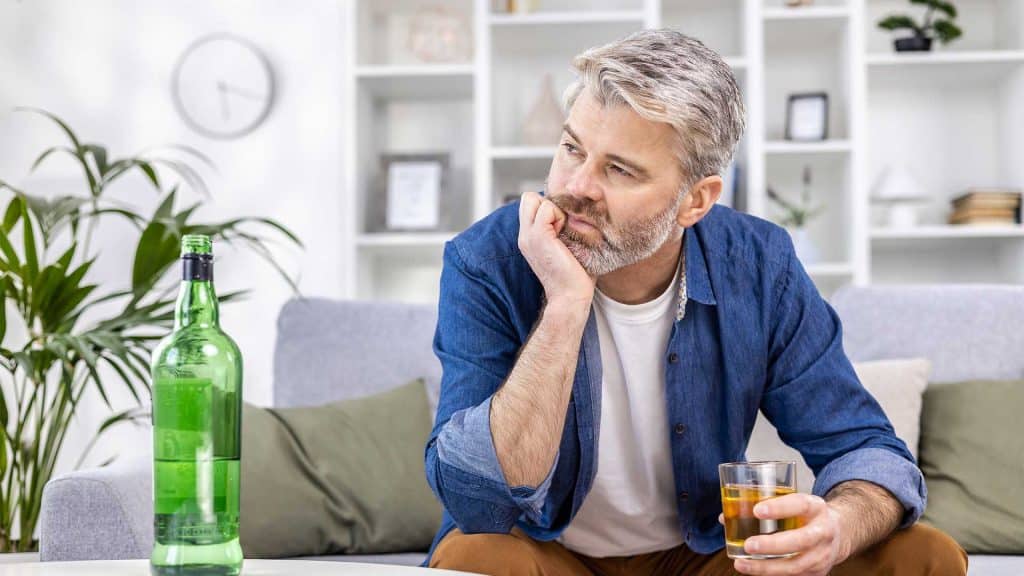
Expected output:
{"points": [[806, 250], [913, 44]]}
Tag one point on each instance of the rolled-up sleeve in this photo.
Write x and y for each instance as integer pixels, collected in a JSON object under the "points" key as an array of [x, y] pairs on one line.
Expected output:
{"points": [[477, 347], [815, 400]]}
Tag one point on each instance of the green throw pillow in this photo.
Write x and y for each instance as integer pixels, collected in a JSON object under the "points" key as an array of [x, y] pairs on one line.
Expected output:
{"points": [[342, 478], [972, 456]]}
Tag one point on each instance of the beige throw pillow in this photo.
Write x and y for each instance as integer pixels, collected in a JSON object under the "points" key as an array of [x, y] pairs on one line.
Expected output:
{"points": [[897, 385]]}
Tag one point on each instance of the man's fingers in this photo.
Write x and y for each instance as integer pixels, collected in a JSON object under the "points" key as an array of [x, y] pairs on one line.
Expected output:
{"points": [[790, 505], [528, 205], [549, 216], [786, 542], [721, 519]]}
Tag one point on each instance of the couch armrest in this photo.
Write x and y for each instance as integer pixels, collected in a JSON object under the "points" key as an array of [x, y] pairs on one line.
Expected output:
{"points": [[98, 514]]}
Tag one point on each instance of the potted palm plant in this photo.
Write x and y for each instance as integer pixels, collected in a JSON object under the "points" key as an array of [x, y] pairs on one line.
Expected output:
{"points": [[933, 26], [796, 216], [70, 345]]}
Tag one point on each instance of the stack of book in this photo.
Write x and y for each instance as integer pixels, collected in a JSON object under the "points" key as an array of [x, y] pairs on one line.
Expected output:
{"points": [[990, 206]]}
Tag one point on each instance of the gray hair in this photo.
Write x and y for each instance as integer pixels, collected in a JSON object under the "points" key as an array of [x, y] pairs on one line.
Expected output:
{"points": [[666, 76]]}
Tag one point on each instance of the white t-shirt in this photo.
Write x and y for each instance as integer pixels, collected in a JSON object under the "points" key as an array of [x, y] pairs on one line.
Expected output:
{"points": [[631, 508]]}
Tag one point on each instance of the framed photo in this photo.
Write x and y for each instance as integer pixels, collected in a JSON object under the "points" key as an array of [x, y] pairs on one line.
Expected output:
{"points": [[414, 187], [807, 116]]}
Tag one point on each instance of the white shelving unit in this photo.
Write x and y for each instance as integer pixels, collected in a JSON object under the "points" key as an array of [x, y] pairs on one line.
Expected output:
{"points": [[952, 116]]}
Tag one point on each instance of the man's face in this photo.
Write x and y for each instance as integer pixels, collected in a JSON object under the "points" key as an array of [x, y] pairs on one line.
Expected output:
{"points": [[617, 178]]}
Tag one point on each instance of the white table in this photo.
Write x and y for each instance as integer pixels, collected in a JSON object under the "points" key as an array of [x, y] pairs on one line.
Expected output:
{"points": [[249, 568]]}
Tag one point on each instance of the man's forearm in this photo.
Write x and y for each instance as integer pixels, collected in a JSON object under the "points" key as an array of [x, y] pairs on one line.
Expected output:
{"points": [[868, 513], [528, 411]]}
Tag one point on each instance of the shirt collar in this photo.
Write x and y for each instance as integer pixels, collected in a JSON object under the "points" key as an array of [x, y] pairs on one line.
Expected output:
{"points": [[694, 281]]}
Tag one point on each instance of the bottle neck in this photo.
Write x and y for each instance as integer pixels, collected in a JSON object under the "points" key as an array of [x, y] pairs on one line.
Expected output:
{"points": [[197, 299]]}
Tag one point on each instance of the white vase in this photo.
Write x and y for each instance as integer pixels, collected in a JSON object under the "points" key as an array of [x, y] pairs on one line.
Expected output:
{"points": [[543, 125], [806, 250]]}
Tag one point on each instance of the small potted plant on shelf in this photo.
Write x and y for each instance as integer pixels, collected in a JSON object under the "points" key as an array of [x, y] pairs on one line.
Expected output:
{"points": [[941, 27], [795, 218]]}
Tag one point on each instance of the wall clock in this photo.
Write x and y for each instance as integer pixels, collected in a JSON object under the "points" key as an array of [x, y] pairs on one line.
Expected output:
{"points": [[223, 86]]}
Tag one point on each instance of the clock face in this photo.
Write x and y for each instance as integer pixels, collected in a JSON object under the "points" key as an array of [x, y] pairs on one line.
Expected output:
{"points": [[223, 86]]}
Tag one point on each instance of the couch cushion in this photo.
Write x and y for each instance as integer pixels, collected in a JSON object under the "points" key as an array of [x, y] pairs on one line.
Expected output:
{"points": [[967, 331], [896, 384], [329, 350], [972, 455], [345, 477]]}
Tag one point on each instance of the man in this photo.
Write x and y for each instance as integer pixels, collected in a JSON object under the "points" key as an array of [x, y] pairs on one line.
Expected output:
{"points": [[604, 347]]}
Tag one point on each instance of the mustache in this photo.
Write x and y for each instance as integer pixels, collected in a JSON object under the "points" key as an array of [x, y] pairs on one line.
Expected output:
{"points": [[583, 207]]}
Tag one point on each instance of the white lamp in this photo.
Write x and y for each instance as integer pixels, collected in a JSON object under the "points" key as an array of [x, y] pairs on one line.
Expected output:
{"points": [[897, 188]]}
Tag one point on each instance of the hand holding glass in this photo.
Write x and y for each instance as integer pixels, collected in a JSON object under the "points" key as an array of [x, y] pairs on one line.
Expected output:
{"points": [[744, 484]]}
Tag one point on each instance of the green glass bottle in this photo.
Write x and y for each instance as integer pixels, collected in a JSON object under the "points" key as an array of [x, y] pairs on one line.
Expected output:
{"points": [[197, 407]]}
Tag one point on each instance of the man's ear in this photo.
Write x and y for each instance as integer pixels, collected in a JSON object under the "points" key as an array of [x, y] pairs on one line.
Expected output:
{"points": [[699, 200]]}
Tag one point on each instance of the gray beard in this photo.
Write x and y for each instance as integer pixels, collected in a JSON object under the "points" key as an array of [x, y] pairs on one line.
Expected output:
{"points": [[624, 247]]}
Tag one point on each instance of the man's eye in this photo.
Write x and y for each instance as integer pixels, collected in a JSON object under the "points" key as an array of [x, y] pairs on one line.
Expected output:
{"points": [[621, 171], [569, 148]]}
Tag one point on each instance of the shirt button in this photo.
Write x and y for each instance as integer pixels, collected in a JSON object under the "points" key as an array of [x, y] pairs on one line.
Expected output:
{"points": [[684, 496], [673, 358], [680, 428]]}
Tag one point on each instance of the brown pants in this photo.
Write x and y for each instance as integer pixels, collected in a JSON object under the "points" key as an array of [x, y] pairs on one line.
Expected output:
{"points": [[917, 551]]}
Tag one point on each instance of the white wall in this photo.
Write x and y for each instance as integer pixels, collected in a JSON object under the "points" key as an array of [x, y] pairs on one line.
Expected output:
{"points": [[105, 67]]}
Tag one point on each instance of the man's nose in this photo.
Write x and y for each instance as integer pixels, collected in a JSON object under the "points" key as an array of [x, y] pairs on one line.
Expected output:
{"points": [[584, 184]]}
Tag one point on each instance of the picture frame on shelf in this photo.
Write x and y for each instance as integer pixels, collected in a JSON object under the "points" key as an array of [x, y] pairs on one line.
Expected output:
{"points": [[807, 117], [440, 34], [414, 187]]}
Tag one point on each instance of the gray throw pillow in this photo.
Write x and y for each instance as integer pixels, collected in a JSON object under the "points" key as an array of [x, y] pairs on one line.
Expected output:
{"points": [[341, 478], [972, 456]]}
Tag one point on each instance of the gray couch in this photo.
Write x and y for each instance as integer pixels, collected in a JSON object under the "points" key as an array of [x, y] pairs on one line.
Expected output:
{"points": [[329, 350]]}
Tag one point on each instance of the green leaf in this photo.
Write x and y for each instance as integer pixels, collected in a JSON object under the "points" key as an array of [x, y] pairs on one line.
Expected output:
{"points": [[941, 5], [166, 207], [188, 150], [899, 22], [129, 383], [71, 135], [99, 156], [3, 331], [12, 214], [946, 31], [150, 173], [13, 262], [156, 251], [31, 259], [46, 154], [158, 248], [65, 260], [83, 349], [188, 174], [119, 168]]}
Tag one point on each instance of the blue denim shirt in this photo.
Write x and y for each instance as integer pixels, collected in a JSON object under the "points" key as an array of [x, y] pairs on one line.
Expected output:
{"points": [[755, 335]]}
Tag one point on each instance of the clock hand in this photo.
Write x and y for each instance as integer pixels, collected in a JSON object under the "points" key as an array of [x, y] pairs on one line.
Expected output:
{"points": [[238, 90]]}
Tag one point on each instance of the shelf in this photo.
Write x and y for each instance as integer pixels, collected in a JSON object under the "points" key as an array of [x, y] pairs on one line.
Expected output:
{"points": [[806, 13], [939, 232], [956, 69], [418, 81], [830, 269], [793, 147], [523, 152], [946, 58], [542, 18], [402, 240]]}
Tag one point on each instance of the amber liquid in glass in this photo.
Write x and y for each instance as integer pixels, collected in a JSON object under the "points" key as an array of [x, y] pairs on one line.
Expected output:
{"points": [[738, 503]]}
